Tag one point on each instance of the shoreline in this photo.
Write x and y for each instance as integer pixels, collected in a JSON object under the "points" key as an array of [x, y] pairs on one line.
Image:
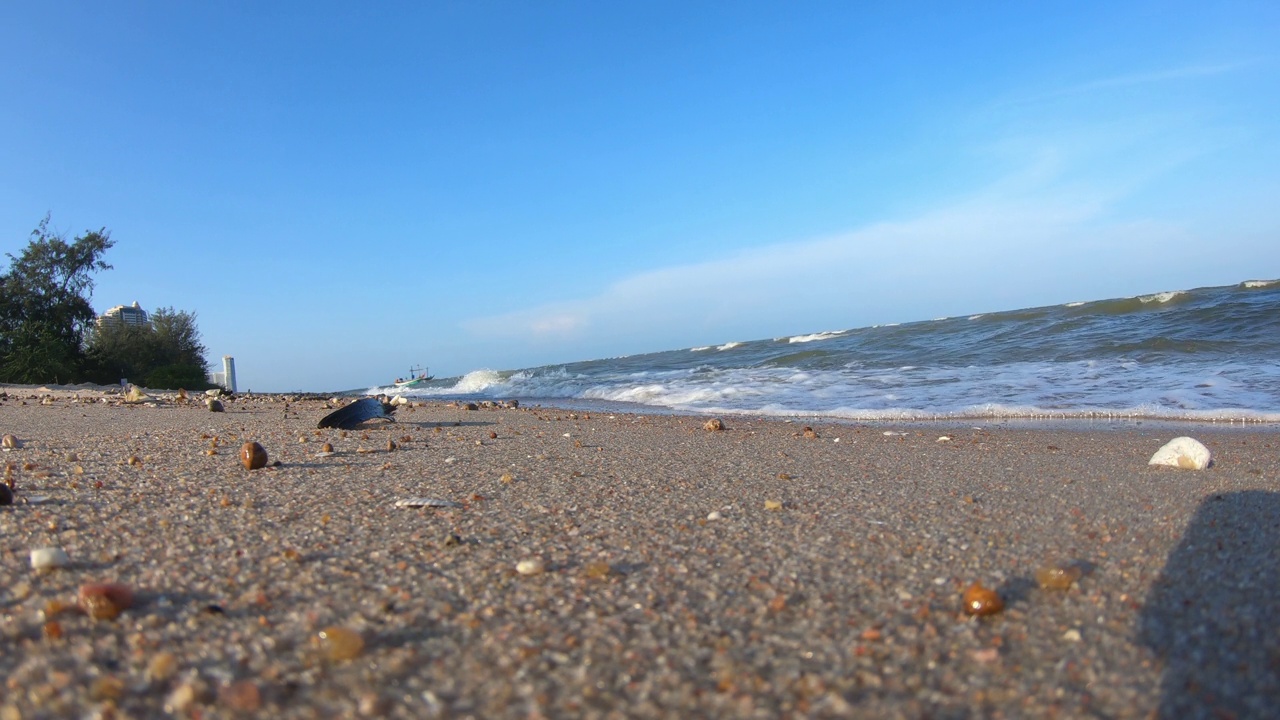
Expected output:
{"points": [[673, 571]]}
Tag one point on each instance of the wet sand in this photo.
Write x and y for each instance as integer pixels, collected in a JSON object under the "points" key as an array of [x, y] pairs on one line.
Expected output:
{"points": [[844, 601]]}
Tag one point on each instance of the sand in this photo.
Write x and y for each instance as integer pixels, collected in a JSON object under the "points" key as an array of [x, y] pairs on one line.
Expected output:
{"points": [[845, 601]]}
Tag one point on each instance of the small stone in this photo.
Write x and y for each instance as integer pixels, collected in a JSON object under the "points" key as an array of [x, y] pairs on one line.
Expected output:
{"points": [[134, 395], [133, 460], [531, 566], [715, 515], [809, 433], [979, 600], [944, 439], [52, 630], [214, 405], [339, 643], [105, 601], [1057, 577], [772, 504], [713, 425], [9, 442], [107, 687], [6, 495], [783, 476], [162, 666], [253, 456], [242, 695], [507, 479], [391, 445], [1183, 452], [1072, 635], [326, 448], [48, 558], [597, 570]]}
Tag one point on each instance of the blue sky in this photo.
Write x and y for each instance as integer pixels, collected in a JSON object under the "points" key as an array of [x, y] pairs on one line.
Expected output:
{"points": [[340, 190]]}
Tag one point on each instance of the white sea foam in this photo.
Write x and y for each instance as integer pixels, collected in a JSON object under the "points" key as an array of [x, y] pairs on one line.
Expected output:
{"points": [[1162, 297], [729, 346], [976, 317], [1259, 283], [1073, 304], [816, 336], [704, 348]]}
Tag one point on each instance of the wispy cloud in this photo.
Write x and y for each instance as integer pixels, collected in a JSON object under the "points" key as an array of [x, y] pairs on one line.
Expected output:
{"points": [[1130, 80]]}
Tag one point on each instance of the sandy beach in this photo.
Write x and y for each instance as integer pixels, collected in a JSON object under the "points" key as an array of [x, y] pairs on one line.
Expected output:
{"points": [[669, 571]]}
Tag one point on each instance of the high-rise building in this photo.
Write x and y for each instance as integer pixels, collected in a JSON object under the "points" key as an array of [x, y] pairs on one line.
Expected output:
{"points": [[132, 315], [227, 378]]}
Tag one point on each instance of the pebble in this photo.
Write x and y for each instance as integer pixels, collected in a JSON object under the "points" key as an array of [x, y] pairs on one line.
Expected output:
{"points": [[214, 406], [327, 448], [253, 456], [532, 566], [162, 666], [597, 569], [1183, 452], [715, 515], [772, 504], [979, 600], [713, 425], [1071, 635], [105, 601], [1057, 577], [339, 643], [421, 502], [9, 442], [6, 495], [47, 558]]}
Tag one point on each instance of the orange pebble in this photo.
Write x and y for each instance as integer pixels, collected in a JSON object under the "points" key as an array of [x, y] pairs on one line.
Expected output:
{"points": [[979, 600]]}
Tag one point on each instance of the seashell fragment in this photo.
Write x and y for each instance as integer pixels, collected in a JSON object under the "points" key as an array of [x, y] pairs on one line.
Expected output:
{"points": [[422, 502], [979, 600], [253, 456], [1183, 452], [9, 442], [48, 558]]}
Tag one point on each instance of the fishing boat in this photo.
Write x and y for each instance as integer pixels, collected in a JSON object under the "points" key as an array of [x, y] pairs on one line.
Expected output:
{"points": [[418, 375]]}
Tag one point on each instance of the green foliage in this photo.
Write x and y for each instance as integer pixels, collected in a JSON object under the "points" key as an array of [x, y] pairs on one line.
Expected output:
{"points": [[44, 305], [166, 354]]}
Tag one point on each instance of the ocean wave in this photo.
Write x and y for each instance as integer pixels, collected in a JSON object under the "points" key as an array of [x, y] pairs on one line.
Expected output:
{"points": [[1161, 297], [729, 346], [1253, 284], [815, 336]]}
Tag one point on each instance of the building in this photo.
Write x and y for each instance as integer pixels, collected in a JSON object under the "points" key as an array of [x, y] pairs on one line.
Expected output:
{"points": [[132, 315], [227, 378]]}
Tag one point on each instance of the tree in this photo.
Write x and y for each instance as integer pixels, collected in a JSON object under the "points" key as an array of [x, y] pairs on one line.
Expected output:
{"points": [[44, 305], [166, 353]]}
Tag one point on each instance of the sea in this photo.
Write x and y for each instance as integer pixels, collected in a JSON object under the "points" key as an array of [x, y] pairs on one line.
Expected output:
{"points": [[1207, 354]]}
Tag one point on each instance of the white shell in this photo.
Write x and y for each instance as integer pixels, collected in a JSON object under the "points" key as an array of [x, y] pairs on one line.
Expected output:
{"points": [[49, 557], [1182, 452], [427, 502]]}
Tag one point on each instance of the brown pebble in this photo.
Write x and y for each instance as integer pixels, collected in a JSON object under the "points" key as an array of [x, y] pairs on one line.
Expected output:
{"points": [[1057, 577], [134, 460], [783, 476], [52, 630], [391, 445], [713, 425], [162, 665], [105, 601], [809, 433], [979, 600], [327, 447], [253, 456], [597, 570], [493, 435], [339, 643]]}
